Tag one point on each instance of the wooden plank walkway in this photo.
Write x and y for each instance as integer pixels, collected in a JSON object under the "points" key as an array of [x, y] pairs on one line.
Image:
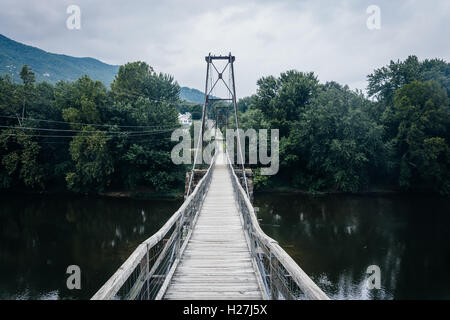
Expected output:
{"points": [[216, 263]]}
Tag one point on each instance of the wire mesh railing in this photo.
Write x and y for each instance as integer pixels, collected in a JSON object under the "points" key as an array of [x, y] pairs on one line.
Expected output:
{"points": [[281, 276], [146, 272]]}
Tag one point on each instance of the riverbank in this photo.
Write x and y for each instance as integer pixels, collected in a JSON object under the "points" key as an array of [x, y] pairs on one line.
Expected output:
{"points": [[139, 194], [143, 194], [375, 191], [148, 194]]}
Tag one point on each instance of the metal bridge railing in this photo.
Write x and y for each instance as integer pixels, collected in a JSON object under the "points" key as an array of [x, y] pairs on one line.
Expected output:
{"points": [[146, 273], [282, 278]]}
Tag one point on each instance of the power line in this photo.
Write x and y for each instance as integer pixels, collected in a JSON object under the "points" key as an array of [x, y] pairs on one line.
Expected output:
{"points": [[71, 130], [85, 135], [132, 139], [137, 95], [85, 124]]}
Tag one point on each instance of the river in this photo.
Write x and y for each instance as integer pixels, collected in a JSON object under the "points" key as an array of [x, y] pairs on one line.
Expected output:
{"points": [[333, 238]]}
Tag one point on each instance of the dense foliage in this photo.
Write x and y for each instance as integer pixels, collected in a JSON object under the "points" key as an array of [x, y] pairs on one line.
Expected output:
{"points": [[85, 138], [335, 139]]}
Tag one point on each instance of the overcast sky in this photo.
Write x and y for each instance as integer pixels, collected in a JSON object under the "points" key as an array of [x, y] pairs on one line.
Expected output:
{"points": [[267, 37]]}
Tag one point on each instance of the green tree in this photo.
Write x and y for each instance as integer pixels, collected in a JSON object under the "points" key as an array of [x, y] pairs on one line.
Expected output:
{"points": [[26, 91], [422, 112], [245, 103], [27, 76], [93, 164], [18, 160], [81, 101], [8, 100], [384, 82], [90, 139], [282, 100], [144, 159], [138, 79], [334, 145], [145, 99]]}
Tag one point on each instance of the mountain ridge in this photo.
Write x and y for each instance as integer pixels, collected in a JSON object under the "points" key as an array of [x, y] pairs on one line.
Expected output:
{"points": [[48, 66], [53, 67]]}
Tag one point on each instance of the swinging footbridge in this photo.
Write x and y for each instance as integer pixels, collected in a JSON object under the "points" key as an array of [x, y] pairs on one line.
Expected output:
{"points": [[212, 247]]}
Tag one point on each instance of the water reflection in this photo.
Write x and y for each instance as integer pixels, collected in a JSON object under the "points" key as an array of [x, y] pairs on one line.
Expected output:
{"points": [[41, 235], [335, 238]]}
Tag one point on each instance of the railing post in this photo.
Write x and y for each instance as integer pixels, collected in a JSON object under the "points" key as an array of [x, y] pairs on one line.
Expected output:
{"points": [[273, 275], [147, 271], [178, 236]]}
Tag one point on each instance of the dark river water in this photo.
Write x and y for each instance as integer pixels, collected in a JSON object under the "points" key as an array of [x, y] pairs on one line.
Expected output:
{"points": [[333, 238]]}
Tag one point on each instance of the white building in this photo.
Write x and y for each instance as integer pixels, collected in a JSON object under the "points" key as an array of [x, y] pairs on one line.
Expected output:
{"points": [[185, 119]]}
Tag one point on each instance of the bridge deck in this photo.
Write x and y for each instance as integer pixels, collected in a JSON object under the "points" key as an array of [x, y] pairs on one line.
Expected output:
{"points": [[216, 263]]}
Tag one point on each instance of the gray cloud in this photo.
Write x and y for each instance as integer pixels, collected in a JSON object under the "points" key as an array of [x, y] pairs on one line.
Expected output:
{"points": [[267, 37]]}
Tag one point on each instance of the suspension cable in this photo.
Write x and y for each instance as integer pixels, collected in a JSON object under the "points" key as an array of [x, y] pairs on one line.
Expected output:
{"points": [[237, 128], [200, 138]]}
